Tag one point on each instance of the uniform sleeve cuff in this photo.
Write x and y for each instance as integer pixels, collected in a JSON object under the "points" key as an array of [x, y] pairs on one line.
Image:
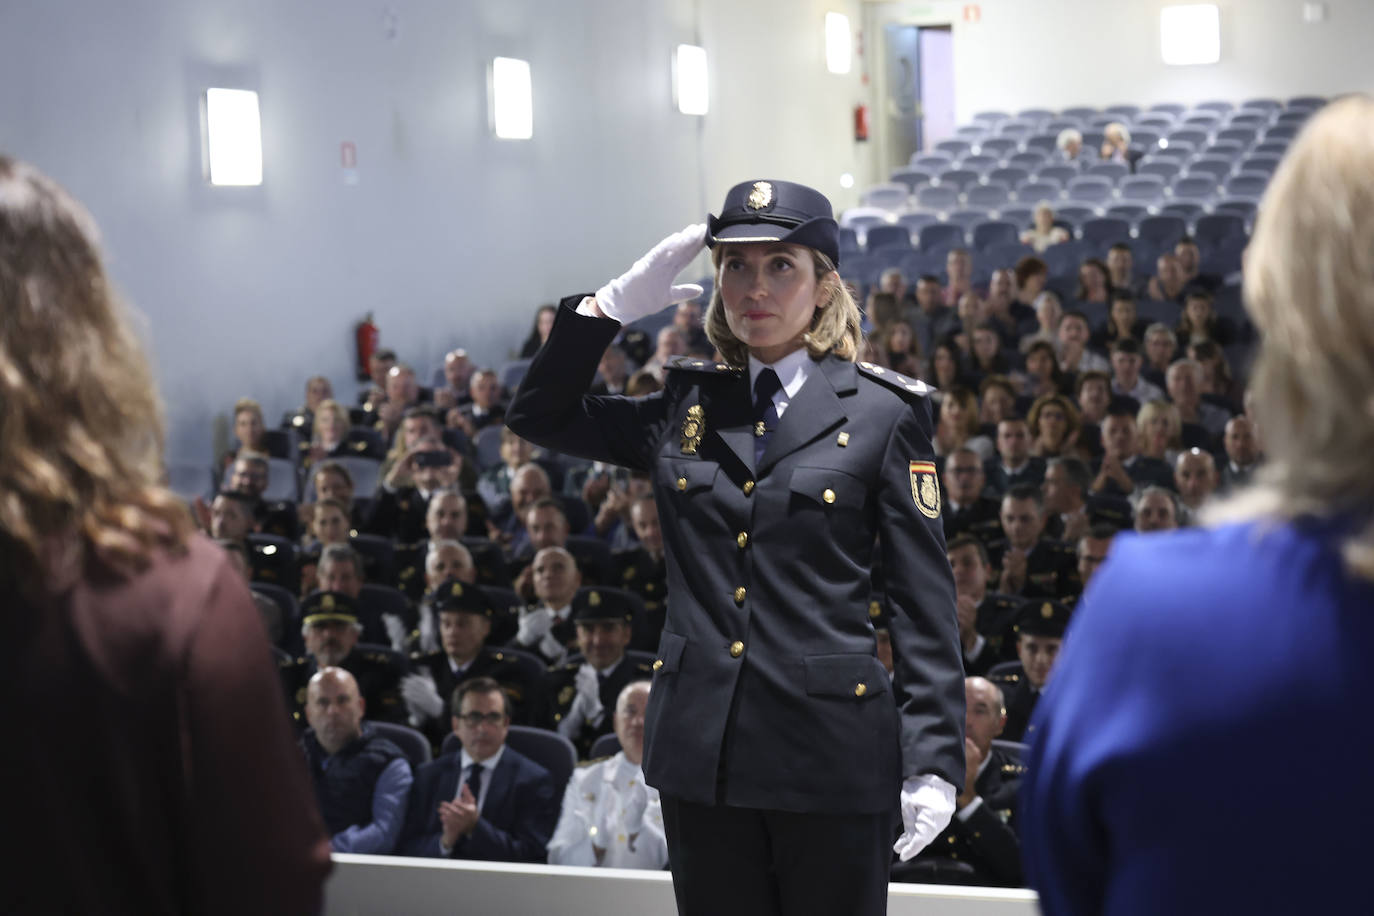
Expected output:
{"points": [[967, 811]]}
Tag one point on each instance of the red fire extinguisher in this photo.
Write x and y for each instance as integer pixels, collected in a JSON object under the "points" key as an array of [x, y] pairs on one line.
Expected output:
{"points": [[367, 337], [860, 122]]}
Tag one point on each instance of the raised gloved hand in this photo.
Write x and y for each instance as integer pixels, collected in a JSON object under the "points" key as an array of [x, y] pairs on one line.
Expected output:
{"points": [[422, 697], [927, 806], [647, 287], [534, 625], [587, 704]]}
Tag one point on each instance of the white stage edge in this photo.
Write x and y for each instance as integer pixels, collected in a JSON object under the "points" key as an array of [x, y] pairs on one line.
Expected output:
{"points": [[377, 885]]}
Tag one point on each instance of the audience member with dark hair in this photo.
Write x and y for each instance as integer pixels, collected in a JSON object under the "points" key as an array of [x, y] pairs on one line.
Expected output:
{"points": [[539, 330], [1160, 346], [1168, 283], [1094, 282], [1190, 263], [1075, 333], [1123, 320], [1156, 509], [944, 370], [1121, 268], [1198, 321], [1126, 379], [930, 318], [1014, 463], [1043, 377], [986, 617], [1243, 456], [1028, 563], [958, 425], [485, 801], [1123, 468], [966, 509], [1053, 423], [1039, 636], [1195, 478]]}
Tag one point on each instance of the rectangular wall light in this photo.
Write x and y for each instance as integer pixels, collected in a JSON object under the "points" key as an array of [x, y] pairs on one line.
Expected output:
{"points": [[233, 137], [1190, 34], [512, 105], [838, 43], [690, 80]]}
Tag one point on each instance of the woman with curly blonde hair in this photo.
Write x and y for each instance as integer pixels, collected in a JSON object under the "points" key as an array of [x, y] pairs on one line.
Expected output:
{"points": [[115, 608], [1247, 638]]}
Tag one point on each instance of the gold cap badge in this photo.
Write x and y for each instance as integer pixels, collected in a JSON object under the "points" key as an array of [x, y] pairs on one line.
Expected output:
{"points": [[761, 196], [457, 590], [594, 599], [1047, 610], [327, 603]]}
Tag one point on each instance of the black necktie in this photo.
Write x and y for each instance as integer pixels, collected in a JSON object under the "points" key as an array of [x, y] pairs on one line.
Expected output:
{"points": [[765, 411], [475, 781]]}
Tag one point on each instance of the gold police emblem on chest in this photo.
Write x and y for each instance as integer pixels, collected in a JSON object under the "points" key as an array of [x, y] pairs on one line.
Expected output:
{"points": [[761, 195], [925, 488], [565, 696], [692, 428]]}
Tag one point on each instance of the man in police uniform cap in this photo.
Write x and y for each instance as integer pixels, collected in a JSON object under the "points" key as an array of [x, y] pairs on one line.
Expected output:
{"points": [[330, 629], [1039, 634], [583, 692], [465, 613]]}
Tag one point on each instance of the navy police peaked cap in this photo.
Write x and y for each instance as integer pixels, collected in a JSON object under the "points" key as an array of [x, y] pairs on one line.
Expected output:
{"points": [[328, 607], [601, 604], [1041, 617], [456, 596], [776, 211]]}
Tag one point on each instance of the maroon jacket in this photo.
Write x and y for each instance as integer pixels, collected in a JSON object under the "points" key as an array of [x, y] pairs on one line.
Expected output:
{"points": [[147, 766]]}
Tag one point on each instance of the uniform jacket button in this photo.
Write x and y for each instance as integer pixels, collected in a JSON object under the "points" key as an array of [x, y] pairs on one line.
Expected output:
{"points": [[739, 594], [742, 539], [860, 689], [828, 496], [658, 663], [682, 483], [748, 487], [736, 649]]}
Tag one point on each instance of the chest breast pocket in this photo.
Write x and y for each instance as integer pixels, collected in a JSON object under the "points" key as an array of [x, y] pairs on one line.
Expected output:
{"points": [[827, 491]]}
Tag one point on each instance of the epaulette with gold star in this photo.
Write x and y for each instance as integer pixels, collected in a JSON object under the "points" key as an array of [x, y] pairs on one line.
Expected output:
{"points": [[903, 385], [696, 364]]}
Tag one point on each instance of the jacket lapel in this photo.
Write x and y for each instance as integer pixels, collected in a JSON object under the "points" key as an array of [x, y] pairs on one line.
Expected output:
{"points": [[501, 780], [815, 409], [731, 414]]}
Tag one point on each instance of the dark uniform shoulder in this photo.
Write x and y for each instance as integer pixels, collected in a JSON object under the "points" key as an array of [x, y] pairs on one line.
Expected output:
{"points": [[907, 387], [697, 364]]}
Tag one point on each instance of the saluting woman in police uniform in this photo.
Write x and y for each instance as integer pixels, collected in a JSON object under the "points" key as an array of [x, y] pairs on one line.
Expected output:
{"points": [[779, 473]]}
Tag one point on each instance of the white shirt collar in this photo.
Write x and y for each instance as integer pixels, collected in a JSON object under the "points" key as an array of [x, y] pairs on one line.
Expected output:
{"points": [[488, 765], [793, 370]]}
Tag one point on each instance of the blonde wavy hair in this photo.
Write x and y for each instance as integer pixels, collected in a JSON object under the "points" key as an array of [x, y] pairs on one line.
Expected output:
{"points": [[835, 326], [81, 430], [1309, 287]]}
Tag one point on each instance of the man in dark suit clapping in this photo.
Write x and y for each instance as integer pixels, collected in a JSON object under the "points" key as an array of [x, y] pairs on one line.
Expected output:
{"points": [[486, 801]]}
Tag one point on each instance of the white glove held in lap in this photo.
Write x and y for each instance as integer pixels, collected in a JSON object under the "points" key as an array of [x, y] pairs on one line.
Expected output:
{"points": [[422, 697], [587, 704], [647, 287], [927, 806], [534, 625]]}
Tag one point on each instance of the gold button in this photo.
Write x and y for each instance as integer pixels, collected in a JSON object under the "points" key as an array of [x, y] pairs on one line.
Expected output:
{"points": [[736, 649], [842, 440], [739, 594], [742, 539], [658, 663], [828, 496], [682, 483], [759, 429], [860, 689], [748, 487]]}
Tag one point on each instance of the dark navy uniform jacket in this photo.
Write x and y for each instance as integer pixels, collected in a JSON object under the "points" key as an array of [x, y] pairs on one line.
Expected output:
{"points": [[767, 691]]}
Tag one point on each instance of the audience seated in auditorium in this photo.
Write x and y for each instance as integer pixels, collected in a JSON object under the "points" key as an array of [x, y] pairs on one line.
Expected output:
{"points": [[1094, 282], [1195, 478], [959, 425], [1126, 379], [1184, 382], [539, 330], [1040, 632], [1116, 145], [328, 434], [250, 431], [613, 372], [1199, 322], [1091, 550], [944, 370], [1014, 463], [544, 627], [1160, 346], [899, 350], [429, 563], [331, 631], [485, 407], [1074, 335], [398, 509], [403, 392], [529, 483], [1156, 509], [1123, 321], [687, 320], [1161, 431], [610, 817], [1168, 283], [967, 510], [1123, 468], [1044, 232], [582, 690], [250, 475], [1028, 563], [669, 344], [930, 318], [1121, 269], [1043, 376], [1069, 143], [456, 390], [1242, 453], [1048, 313], [958, 275], [643, 572], [465, 614], [379, 366], [485, 801], [1030, 276], [982, 834], [1190, 262], [362, 781], [1218, 384], [985, 616]]}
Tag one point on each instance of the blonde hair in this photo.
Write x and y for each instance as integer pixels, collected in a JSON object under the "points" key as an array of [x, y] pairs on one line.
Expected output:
{"points": [[1116, 127], [81, 429], [1151, 409], [329, 405], [1309, 286], [835, 326]]}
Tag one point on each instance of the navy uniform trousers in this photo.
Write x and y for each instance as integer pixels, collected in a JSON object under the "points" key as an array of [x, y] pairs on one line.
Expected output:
{"points": [[772, 732]]}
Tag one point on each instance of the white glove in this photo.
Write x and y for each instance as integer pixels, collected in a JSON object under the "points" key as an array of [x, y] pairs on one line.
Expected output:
{"points": [[588, 700], [647, 287], [422, 697], [927, 806], [534, 626], [395, 631]]}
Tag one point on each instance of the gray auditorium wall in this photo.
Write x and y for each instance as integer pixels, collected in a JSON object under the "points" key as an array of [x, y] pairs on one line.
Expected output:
{"points": [[1059, 53], [449, 236]]}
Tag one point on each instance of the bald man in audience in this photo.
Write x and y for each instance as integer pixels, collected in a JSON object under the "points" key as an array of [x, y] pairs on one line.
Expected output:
{"points": [[446, 519], [362, 781], [610, 817], [529, 483]]}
